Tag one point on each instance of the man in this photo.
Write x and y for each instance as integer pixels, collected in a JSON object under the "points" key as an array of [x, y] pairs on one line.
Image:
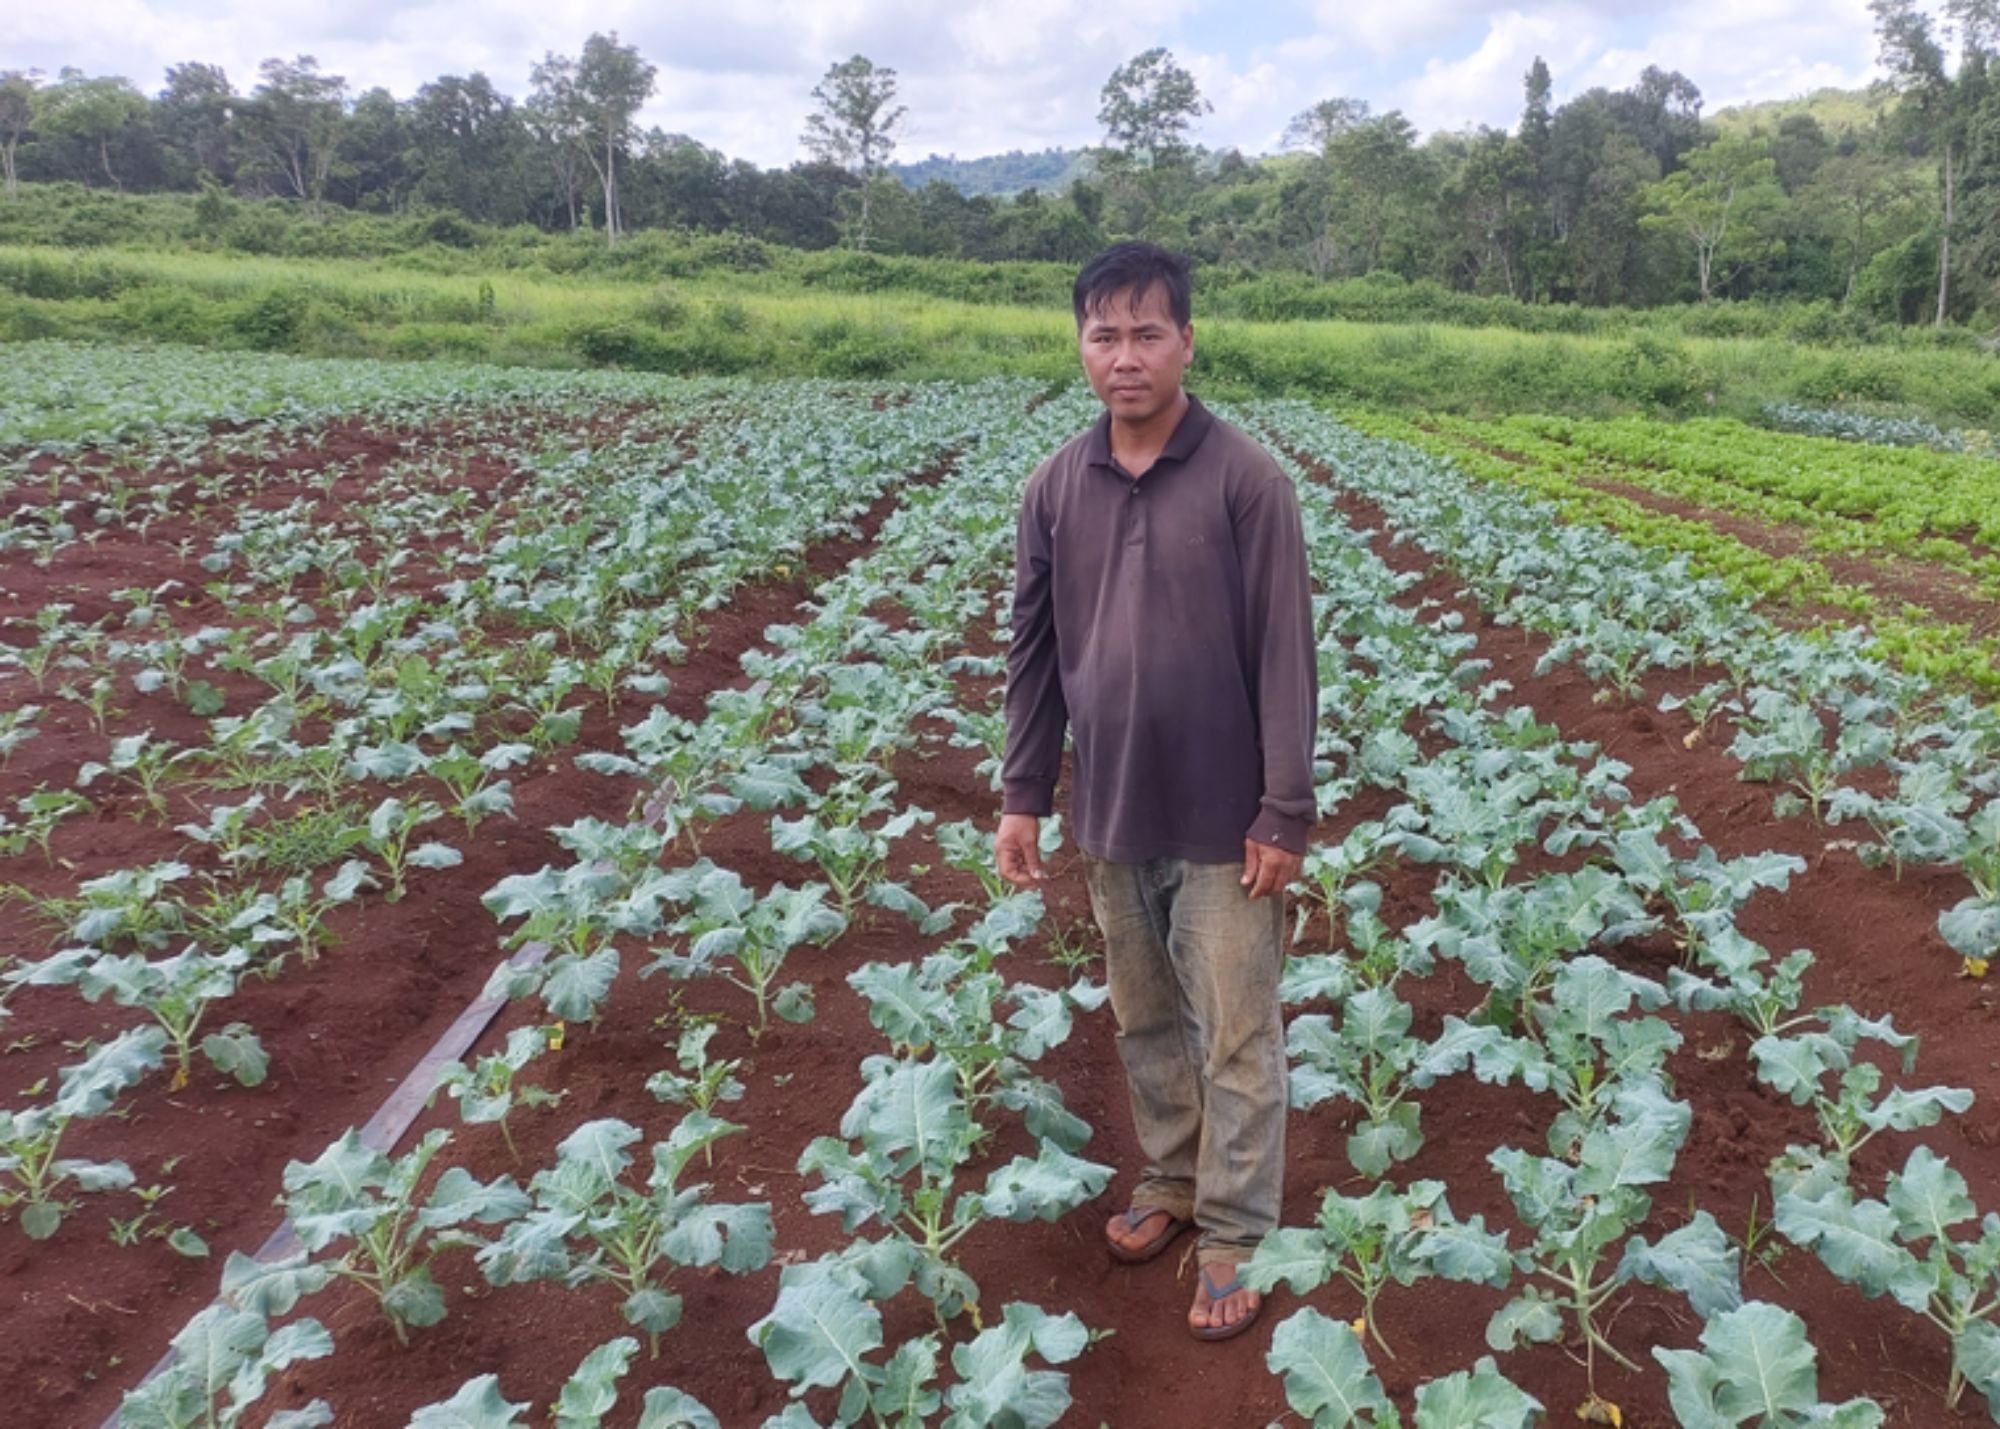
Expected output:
{"points": [[1162, 611]]}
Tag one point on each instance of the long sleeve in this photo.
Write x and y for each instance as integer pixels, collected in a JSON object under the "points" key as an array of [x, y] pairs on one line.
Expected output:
{"points": [[1282, 660], [1036, 713]]}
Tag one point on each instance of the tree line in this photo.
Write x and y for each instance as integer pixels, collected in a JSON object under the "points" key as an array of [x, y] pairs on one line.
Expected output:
{"points": [[1626, 196]]}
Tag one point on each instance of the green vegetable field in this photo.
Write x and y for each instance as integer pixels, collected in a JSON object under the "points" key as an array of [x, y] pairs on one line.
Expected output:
{"points": [[501, 926]]}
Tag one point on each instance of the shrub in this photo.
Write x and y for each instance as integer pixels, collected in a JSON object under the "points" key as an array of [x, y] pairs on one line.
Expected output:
{"points": [[168, 315], [1657, 372], [270, 320]]}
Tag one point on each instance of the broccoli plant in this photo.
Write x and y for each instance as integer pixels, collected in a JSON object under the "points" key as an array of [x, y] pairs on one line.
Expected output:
{"points": [[354, 1193], [612, 888], [1782, 739], [1516, 938], [1331, 875], [140, 762], [825, 1332], [178, 993], [746, 939], [487, 1091], [1371, 1241], [908, 1137], [1372, 1060], [968, 847], [952, 1005], [1329, 1383], [133, 905], [848, 853], [586, 1224], [702, 1082], [227, 1355], [587, 1396], [391, 826], [1800, 1065], [1903, 1246], [31, 1171], [1577, 1213], [1744, 980], [475, 792], [1972, 925], [1923, 821], [1755, 1365], [41, 813], [1587, 1050]]}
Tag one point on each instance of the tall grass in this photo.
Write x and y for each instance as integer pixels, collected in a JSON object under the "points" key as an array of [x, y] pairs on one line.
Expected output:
{"points": [[724, 323]]}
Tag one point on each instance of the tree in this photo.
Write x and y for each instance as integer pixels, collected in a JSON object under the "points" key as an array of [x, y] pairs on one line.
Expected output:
{"points": [[1719, 202], [1149, 103], [92, 111], [466, 140], [1316, 127], [1856, 197], [1936, 105], [1980, 198], [1663, 113], [1532, 213], [370, 169], [1374, 170], [17, 121], [591, 102], [1482, 205], [193, 117], [556, 131], [854, 122], [294, 119]]}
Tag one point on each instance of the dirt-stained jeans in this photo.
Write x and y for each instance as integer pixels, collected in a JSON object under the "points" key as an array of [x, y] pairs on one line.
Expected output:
{"points": [[1193, 966]]}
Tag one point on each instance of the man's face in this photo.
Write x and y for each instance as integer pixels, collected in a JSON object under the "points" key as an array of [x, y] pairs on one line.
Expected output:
{"points": [[1134, 353]]}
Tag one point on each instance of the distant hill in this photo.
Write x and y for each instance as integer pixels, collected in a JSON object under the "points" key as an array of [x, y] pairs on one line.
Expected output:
{"points": [[1835, 109], [1001, 175]]}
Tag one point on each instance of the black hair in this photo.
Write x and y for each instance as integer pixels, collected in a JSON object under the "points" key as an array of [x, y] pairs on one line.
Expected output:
{"points": [[1136, 267]]}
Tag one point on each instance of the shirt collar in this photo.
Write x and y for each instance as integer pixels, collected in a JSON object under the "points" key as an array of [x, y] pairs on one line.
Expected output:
{"points": [[1188, 434]]}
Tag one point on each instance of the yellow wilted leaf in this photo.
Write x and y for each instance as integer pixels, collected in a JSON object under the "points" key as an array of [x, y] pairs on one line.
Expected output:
{"points": [[1601, 1411], [1691, 739], [1976, 967], [1359, 1324], [180, 1081], [556, 1033]]}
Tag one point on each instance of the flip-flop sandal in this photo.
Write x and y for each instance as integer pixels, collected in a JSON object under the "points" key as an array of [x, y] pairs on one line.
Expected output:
{"points": [[1137, 1216], [1217, 1294]]}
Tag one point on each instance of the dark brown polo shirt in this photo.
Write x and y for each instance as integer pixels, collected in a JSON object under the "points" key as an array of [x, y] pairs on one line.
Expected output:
{"points": [[1167, 621]]}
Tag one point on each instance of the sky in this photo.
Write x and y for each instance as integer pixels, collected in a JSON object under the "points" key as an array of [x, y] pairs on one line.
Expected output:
{"points": [[986, 76]]}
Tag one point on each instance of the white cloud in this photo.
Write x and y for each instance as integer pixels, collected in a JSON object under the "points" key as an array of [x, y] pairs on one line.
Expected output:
{"points": [[1487, 85], [1751, 50]]}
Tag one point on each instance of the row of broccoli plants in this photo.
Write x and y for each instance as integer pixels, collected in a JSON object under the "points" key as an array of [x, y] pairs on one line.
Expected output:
{"points": [[185, 484], [837, 693], [70, 399], [1875, 430], [1560, 1021], [428, 698], [1804, 711]]}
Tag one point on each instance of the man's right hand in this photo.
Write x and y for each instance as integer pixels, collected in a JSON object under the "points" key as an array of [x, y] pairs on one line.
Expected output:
{"points": [[1017, 850]]}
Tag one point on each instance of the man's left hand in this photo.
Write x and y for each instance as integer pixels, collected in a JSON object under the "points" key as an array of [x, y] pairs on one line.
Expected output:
{"points": [[1267, 869]]}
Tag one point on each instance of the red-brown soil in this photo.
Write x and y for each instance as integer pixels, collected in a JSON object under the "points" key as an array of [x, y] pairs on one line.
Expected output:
{"points": [[80, 1319]]}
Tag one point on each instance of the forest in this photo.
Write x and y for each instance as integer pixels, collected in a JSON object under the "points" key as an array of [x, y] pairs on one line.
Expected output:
{"points": [[1884, 204]]}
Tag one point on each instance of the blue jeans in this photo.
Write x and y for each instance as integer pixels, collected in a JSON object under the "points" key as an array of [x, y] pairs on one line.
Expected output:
{"points": [[1193, 967]]}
